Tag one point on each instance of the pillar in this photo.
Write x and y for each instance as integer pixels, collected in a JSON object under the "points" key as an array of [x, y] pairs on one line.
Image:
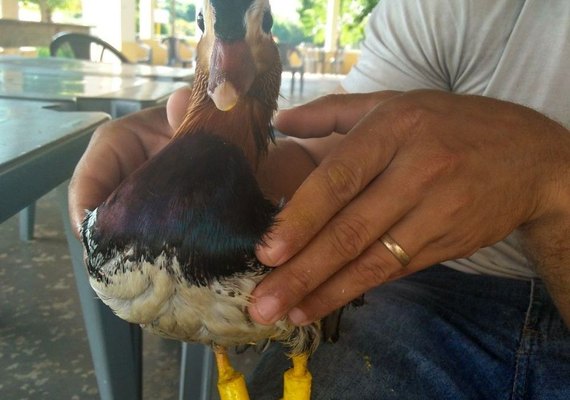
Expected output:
{"points": [[146, 19], [9, 9], [113, 21], [332, 28]]}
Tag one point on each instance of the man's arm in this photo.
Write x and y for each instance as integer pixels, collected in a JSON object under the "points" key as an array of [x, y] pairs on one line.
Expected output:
{"points": [[547, 242], [444, 174]]}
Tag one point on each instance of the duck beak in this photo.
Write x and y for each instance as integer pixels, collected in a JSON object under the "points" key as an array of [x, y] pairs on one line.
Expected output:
{"points": [[232, 72]]}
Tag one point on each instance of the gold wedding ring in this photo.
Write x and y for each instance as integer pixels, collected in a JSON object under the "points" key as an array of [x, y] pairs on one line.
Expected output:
{"points": [[395, 249]]}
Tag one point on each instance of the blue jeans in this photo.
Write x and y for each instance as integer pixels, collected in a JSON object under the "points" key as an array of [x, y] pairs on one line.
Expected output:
{"points": [[439, 334]]}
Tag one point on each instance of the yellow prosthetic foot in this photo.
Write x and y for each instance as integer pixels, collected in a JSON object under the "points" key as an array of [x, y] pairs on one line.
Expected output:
{"points": [[297, 380], [231, 383]]}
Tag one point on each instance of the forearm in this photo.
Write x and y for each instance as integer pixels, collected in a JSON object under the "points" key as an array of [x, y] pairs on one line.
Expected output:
{"points": [[547, 239], [548, 244]]}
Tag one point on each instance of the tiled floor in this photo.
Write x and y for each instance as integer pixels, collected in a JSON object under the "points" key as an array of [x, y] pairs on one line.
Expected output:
{"points": [[43, 347]]}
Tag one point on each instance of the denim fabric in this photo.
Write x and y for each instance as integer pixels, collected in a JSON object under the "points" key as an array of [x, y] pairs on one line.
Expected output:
{"points": [[439, 334]]}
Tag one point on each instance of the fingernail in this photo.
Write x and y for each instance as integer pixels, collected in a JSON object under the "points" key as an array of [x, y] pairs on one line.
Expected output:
{"points": [[272, 253], [267, 307], [298, 317]]}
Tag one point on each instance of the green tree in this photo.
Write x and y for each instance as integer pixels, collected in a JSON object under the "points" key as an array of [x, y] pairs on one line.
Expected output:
{"points": [[47, 7], [185, 18], [186, 11], [182, 14], [313, 16], [353, 17], [288, 32]]}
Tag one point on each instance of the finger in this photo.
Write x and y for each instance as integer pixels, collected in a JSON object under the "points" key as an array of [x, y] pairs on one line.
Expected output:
{"points": [[332, 113], [177, 105], [422, 233], [106, 163], [387, 200], [374, 267], [339, 178], [98, 172]]}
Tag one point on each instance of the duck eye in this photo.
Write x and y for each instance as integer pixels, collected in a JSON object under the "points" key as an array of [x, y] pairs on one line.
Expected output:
{"points": [[200, 21], [267, 22]]}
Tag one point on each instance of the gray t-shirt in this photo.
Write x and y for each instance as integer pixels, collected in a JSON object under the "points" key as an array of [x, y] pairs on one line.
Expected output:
{"points": [[514, 50]]}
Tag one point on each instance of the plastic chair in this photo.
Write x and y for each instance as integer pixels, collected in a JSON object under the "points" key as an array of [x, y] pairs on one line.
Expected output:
{"points": [[174, 46], [83, 47], [336, 62], [80, 46], [292, 60], [147, 50]]}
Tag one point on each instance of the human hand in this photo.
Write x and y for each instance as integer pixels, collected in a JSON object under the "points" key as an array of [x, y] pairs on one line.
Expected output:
{"points": [[444, 174], [119, 147]]}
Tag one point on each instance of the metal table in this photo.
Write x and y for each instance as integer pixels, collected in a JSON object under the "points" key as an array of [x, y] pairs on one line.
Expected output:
{"points": [[116, 96], [115, 344], [69, 66], [39, 148]]}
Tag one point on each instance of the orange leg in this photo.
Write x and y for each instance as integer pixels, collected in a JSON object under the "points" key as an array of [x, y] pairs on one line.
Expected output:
{"points": [[297, 380], [231, 383]]}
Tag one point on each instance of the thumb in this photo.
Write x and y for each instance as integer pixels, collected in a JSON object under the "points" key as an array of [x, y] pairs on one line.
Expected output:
{"points": [[176, 107], [327, 114]]}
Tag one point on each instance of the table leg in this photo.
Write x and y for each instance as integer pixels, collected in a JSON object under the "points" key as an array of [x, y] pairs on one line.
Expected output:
{"points": [[196, 371], [116, 346], [27, 222]]}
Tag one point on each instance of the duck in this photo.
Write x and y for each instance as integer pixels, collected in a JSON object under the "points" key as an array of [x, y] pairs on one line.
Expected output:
{"points": [[173, 247]]}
